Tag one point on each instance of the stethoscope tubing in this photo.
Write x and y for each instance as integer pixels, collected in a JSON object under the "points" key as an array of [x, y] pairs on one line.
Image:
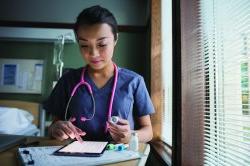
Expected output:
{"points": [[93, 101], [83, 82]]}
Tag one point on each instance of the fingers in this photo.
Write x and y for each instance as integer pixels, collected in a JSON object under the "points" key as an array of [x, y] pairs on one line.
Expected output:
{"points": [[122, 126], [60, 135], [62, 130], [75, 132], [67, 129], [120, 132], [71, 128], [120, 137], [80, 132], [123, 121]]}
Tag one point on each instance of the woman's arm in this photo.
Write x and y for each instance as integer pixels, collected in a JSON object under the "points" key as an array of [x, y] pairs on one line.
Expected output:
{"points": [[62, 130], [121, 132], [145, 132]]}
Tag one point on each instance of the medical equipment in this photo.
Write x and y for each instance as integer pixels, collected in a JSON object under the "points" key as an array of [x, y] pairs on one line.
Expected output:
{"points": [[110, 147], [84, 83], [117, 147], [134, 141], [114, 119], [58, 55], [121, 147], [58, 52]]}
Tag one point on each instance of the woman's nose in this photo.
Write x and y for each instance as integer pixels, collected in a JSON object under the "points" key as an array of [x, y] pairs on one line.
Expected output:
{"points": [[94, 52]]}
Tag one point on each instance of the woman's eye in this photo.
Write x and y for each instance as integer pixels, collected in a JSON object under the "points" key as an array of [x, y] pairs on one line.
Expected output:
{"points": [[83, 46], [102, 45]]}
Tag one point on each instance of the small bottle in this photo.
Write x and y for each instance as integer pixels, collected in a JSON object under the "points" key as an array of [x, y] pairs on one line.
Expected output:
{"points": [[134, 142]]}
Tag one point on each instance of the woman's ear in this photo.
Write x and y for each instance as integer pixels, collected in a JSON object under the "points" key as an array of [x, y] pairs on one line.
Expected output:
{"points": [[76, 37], [116, 38]]}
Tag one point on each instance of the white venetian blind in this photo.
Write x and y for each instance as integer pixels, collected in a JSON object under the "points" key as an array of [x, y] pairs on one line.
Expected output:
{"points": [[225, 45]]}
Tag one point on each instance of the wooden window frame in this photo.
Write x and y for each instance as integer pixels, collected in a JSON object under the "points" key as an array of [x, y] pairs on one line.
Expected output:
{"points": [[164, 151]]}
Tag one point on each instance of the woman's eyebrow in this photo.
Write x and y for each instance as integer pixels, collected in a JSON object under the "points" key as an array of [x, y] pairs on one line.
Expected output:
{"points": [[82, 39], [101, 38]]}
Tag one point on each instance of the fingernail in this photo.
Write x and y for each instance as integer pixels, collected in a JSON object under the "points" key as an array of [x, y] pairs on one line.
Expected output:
{"points": [[83, 119], [72, 119]]}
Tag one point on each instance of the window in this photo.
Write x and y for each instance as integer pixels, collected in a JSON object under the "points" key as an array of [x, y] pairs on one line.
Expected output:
{"points": [[215, 68], [167, 70], [161, 78]]}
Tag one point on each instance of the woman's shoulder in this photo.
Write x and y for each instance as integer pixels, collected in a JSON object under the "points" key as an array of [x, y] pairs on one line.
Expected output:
{"points": [[71, 74], [129, 75]]}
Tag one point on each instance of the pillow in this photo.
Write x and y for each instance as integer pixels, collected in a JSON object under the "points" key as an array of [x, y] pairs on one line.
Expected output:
{"points": [[13, 120]]}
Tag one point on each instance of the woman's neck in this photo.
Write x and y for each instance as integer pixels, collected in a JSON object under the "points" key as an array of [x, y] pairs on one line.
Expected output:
{"points": [[100, 77], [107, 71]]}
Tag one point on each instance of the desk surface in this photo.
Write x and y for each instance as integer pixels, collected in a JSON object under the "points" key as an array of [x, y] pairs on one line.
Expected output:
{"points": [[9, 157]]}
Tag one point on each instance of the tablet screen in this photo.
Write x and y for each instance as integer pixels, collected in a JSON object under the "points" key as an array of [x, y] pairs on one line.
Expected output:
{"points": [[86, 147]]}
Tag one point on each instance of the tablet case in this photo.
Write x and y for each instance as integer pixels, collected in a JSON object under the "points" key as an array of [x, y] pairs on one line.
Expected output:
{"points": [[84, 154]]}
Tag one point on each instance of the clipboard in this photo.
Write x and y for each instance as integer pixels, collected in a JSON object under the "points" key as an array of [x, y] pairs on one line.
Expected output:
{"points": [[84, 149], [43, 155]]}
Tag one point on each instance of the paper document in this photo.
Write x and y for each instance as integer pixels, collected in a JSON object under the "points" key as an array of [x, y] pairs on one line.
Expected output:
{"points": [[43, 156]]}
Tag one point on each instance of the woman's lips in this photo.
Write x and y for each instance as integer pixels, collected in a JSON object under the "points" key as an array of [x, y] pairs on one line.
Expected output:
{"points": [[96, 61]]}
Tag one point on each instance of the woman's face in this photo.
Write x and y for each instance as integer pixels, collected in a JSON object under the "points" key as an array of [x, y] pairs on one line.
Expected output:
{"points": [[96, 44]]}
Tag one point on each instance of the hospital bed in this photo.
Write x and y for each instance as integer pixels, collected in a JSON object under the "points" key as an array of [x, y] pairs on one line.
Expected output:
{"points": [[21, 118]]}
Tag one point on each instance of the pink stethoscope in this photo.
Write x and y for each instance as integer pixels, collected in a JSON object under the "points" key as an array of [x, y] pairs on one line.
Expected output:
{"points": [[83, 82]]}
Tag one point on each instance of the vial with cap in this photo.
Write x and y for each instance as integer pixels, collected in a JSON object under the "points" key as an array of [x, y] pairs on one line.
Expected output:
{"points": [[134, 142]]}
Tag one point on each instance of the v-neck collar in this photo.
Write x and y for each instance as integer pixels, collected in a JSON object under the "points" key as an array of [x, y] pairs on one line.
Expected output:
{"points": [[95, 87]]}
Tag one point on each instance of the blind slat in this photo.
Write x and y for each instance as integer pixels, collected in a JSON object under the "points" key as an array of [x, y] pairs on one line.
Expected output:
{"points": [[233, 143], [245, 135], [207, 128], [223, 159], [210, 159], [230, 153], [227, 119], [228, 123]]}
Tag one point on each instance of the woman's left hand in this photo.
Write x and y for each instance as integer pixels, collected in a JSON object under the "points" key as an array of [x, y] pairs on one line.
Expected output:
{"points": [[120, 132]]}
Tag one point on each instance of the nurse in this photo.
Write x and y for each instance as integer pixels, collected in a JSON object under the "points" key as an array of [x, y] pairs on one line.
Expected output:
{"points": [[100, 89]]}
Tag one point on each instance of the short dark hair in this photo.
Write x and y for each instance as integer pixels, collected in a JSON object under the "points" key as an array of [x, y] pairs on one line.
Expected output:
{"points": [[94, 15]]}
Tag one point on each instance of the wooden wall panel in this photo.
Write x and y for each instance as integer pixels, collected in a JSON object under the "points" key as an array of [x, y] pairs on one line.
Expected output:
{"points": [[156, 73]]}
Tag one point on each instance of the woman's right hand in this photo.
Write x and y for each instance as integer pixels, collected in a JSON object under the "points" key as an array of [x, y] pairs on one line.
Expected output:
{"points": [[62, 130]]}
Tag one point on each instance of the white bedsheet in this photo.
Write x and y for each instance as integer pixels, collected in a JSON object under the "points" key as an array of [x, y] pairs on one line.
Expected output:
{"points": [[17, 121], [29, 130]]}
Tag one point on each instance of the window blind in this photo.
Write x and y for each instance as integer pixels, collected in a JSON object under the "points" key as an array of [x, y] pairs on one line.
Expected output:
{"points": [[225, 49], [215, 82]]}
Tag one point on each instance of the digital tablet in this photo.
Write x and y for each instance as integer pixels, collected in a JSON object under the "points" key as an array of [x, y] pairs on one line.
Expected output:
{"points": [[86, 148]]}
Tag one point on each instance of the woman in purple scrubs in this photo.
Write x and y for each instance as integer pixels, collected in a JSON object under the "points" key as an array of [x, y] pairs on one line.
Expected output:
{"points": [[116, 91]]}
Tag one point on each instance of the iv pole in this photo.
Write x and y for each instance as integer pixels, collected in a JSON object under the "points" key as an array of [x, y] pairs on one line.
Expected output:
{"points": [[58, 55]]}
